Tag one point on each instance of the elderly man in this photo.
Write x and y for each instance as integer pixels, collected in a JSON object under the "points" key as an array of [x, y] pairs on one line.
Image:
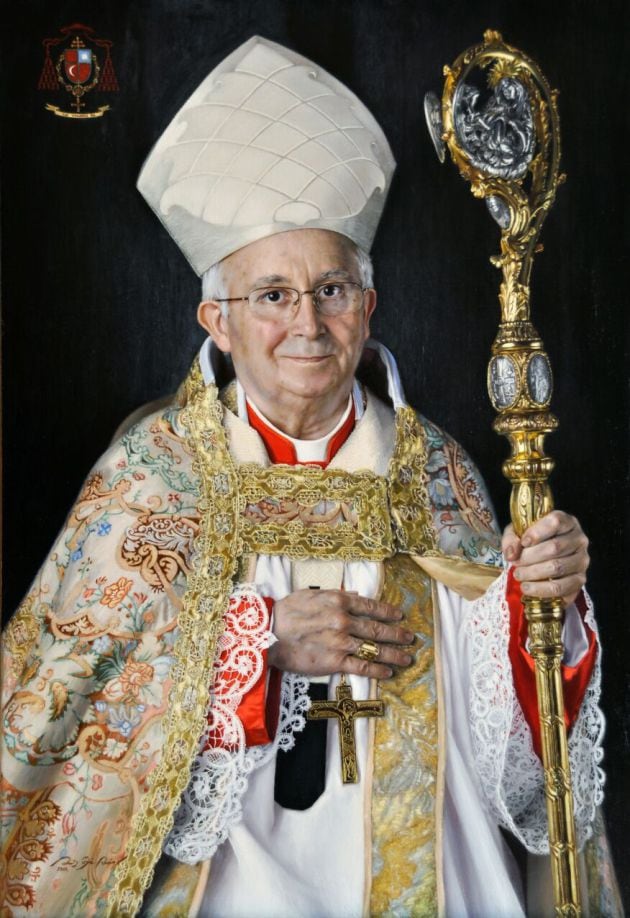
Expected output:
{"points": [[272, 665]]}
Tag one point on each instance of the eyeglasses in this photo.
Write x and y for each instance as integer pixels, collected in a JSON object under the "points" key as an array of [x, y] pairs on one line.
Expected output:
{"points": [[281, 304]]}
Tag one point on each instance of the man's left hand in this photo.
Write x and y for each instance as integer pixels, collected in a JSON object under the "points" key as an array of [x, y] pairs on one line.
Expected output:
{"points": [[551, 558]]}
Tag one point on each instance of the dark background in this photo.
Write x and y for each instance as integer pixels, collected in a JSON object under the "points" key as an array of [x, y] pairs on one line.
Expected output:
{"points": [[99, 305]]}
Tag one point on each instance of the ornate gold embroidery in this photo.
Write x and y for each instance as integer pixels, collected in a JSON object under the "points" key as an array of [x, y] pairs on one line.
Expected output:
{"points": [[405, 761], [200, 624], [314, 513], [327, 513], [20, 635], [407, 479], [229, 398]]}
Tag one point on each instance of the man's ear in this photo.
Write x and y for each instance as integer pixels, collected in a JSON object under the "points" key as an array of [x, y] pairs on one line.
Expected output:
{"points": [[369, 305], [211, 318]]}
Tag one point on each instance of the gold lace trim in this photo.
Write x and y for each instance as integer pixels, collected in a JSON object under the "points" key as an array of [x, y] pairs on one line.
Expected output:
{"points": [[20, 634], [200, 624], [407, 484], [307, 512]]}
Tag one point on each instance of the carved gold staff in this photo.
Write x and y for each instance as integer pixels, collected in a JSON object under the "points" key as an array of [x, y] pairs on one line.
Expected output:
{"points": [[499, 119]]}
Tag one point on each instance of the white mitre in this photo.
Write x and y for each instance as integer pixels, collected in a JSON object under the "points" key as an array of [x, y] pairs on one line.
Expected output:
{"points": [[268, 142]]}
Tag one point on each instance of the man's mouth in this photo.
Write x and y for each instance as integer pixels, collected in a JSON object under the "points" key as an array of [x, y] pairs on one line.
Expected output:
{"points": [[315, 358]]}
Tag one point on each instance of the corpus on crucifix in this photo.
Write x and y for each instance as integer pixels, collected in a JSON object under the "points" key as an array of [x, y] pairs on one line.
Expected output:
{"points": [[346, 708]]}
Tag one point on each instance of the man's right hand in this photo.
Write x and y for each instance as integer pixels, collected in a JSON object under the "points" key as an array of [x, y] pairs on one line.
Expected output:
{"points": [[320, 631]]}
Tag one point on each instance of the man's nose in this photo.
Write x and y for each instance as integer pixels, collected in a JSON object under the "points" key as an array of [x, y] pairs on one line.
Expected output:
{"points": [[307, 320]]}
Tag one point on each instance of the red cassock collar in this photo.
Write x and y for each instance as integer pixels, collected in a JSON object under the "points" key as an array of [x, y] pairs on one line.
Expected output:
{"points": [[281, 449]]}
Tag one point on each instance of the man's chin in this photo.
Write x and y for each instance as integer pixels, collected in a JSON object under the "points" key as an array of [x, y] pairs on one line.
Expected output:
{"points": [[310, 384]]}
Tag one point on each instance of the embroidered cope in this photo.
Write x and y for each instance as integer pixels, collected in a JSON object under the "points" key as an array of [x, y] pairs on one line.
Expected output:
{"points": [[137, 702]]}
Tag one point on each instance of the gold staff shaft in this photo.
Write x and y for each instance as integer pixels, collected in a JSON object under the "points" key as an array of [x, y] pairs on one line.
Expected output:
{"points": [[528, 469], [510, 153]]}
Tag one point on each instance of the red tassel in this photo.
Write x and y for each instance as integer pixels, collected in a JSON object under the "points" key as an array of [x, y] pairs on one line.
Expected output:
{"points": [[48, 79], [108, 81]]}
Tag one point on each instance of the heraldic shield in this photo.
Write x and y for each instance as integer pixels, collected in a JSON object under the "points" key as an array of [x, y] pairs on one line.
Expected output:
{"points": [[77, 64]]}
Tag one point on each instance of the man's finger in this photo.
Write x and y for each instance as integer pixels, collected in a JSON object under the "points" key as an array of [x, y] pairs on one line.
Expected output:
{"points": [[369, 630], [557, 567], [510, 544], [372, 608], [354, 666], [562, 588], [387, 653], [316, 602], [561, 546], [553, 524]]}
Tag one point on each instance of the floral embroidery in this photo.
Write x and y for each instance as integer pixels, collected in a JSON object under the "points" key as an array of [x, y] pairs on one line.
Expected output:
{"points": [[114, 594]]}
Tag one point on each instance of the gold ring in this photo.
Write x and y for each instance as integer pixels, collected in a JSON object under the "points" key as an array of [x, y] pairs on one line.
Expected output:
{"points": [[368, 651]]}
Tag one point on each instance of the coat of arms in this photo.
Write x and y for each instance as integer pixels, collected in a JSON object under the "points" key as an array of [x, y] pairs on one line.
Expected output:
{"points": [[77, 63]]}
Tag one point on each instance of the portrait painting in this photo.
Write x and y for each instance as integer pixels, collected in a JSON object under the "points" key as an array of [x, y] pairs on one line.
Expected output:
{"points": [[99, 306]]}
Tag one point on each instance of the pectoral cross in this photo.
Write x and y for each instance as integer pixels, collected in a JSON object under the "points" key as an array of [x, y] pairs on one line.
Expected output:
{"points": [[346, 709]]}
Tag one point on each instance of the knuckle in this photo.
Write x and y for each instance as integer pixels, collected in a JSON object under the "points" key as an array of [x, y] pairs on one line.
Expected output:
{"points": [[339, 621], [558, 567], [345, 642], [375, 630], [555, 588], [554, 520], [362, 667]]}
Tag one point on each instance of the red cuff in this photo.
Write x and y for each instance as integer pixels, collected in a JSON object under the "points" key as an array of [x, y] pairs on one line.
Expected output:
{"points": [[575, 679], [258, 710]]}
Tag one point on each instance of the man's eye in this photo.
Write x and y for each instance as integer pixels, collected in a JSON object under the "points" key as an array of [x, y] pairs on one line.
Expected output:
{"points": [[273, 295], [328, 291]]}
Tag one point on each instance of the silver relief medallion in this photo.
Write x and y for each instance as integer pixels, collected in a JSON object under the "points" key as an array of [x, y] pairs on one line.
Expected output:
{"points": [[498, 136], [502, 382], [539, 382]]}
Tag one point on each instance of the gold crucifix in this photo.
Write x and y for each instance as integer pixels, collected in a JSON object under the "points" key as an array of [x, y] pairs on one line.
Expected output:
{"points": [[346, 709]]}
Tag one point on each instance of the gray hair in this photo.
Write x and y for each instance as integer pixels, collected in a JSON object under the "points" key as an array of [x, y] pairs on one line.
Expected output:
{"points": [[365, 267], [213, 286]]}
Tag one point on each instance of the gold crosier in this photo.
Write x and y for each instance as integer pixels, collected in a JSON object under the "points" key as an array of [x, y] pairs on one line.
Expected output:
{"points": [[510, 154]]}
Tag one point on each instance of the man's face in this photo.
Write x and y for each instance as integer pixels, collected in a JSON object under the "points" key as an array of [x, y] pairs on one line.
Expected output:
{"points": [[309, 361]]}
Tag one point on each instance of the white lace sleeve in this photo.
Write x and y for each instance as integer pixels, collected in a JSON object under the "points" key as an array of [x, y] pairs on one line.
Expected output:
{"points": [[509, 770], [211, 804]]}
